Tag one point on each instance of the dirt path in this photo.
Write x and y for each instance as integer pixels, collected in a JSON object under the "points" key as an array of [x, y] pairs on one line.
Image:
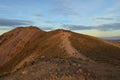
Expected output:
{"points": [[69, 48]]}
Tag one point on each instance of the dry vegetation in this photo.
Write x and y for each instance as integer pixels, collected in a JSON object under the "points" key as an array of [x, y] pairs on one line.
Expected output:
{"points": [[52, 69]]}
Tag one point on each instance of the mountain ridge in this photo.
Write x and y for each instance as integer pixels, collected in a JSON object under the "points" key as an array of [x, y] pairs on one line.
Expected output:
{"points": [[24, 45]]}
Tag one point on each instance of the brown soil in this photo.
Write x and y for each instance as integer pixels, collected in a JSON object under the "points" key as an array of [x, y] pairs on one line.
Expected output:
{"points": [[32, 54]]}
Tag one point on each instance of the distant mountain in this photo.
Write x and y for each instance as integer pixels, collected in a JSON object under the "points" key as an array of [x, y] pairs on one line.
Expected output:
{"points": [[31, 53], [112, 38]]}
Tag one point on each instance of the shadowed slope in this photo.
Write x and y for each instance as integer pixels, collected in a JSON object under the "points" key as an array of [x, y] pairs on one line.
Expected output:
{"points": [[96, 49]]}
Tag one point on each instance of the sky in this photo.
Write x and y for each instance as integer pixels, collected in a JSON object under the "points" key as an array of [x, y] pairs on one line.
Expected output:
{"points": [[100, 18]]}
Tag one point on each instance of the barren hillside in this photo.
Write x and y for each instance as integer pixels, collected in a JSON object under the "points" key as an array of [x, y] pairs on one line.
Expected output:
{"points": [[29, 51]]}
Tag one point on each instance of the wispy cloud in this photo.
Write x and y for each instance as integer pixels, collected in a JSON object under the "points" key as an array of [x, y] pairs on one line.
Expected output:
{"points": [[114, 7], [14, 22], [5, 28], [38, 15], [77, 27], [4, 7], [46, 28], [77, 8], [64, 7], [65, 11], [106, 27], [109, 18], [103, 27], [103, 18]]}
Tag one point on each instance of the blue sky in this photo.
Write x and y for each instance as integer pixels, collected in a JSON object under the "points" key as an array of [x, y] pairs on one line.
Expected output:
{"points": [[99, 18]]}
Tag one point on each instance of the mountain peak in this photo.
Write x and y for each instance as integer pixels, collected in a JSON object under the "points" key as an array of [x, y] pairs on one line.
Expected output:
{"points": [[28, 28]]}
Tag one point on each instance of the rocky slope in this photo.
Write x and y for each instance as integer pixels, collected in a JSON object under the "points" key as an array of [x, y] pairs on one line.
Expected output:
{"points": [[29, 51]]}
